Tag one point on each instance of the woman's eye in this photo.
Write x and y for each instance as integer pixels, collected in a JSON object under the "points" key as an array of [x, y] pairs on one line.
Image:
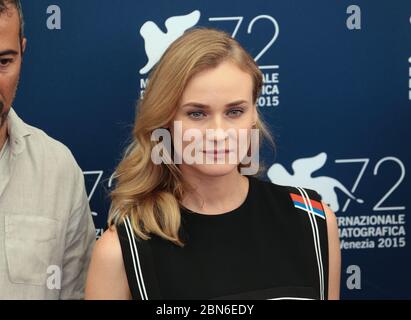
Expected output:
{"points": [[5, 62], [195, 114], [236, 113]]}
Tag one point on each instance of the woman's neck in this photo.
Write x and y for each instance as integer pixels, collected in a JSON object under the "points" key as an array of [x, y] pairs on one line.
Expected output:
{"points": [[215, 194]]}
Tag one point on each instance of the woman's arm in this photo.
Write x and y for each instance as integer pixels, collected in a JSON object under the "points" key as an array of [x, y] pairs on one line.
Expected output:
{"points": [[106, 277], [334, 255]]}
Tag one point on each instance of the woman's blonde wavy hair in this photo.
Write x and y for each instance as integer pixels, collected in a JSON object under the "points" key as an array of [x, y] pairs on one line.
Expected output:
{"points": [[150, 194]]}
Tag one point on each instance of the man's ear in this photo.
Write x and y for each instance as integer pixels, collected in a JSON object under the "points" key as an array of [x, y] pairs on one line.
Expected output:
{"points": [[23, 45]]}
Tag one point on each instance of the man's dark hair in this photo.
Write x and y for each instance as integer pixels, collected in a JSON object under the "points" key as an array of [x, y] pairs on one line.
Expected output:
{"points": [[4, 6]]}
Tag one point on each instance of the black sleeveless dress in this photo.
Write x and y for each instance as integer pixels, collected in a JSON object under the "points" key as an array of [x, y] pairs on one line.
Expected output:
{"points": [[274, 246]]}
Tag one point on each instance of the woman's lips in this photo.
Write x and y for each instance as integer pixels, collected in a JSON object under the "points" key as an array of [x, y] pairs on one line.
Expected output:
{"points": [[217, 151]]}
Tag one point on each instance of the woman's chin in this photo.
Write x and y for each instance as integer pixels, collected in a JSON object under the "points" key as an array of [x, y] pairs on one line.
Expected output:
{"points": [[215, 169]]}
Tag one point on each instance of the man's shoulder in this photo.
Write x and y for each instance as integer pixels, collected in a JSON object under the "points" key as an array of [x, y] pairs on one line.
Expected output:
{"points": [[50, 149]]}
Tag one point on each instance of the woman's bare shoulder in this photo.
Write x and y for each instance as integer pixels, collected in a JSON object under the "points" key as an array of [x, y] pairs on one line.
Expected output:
{"points": [[106, 277], [108, 246]]}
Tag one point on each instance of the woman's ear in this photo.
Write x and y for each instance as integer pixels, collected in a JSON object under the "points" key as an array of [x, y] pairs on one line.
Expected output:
{"points": [[255, 115]]}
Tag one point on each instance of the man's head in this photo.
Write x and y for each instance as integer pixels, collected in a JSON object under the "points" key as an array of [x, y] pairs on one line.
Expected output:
{"points": [[12, 45], [5, 4]]}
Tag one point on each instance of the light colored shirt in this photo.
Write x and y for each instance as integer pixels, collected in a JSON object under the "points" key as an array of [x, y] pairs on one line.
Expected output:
{"points": [[4, 149], [46, 229], [4, 164]]}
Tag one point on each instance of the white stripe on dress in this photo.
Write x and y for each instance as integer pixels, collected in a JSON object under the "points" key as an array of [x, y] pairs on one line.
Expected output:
{"points": [[135, 257], [317, 244]]}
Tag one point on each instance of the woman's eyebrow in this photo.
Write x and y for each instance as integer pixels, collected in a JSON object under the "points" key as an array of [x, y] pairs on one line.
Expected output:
{"points": [[204, 106]]}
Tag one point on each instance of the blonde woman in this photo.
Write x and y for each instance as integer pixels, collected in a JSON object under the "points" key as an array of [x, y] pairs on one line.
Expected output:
{"points": [[209, 229]]}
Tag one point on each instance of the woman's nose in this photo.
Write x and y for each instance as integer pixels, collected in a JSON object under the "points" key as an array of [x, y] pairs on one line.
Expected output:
{"points": [[218, 128]]}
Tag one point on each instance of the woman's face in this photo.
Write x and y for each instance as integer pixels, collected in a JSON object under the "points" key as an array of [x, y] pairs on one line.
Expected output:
{"points": [[220, 99]]}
